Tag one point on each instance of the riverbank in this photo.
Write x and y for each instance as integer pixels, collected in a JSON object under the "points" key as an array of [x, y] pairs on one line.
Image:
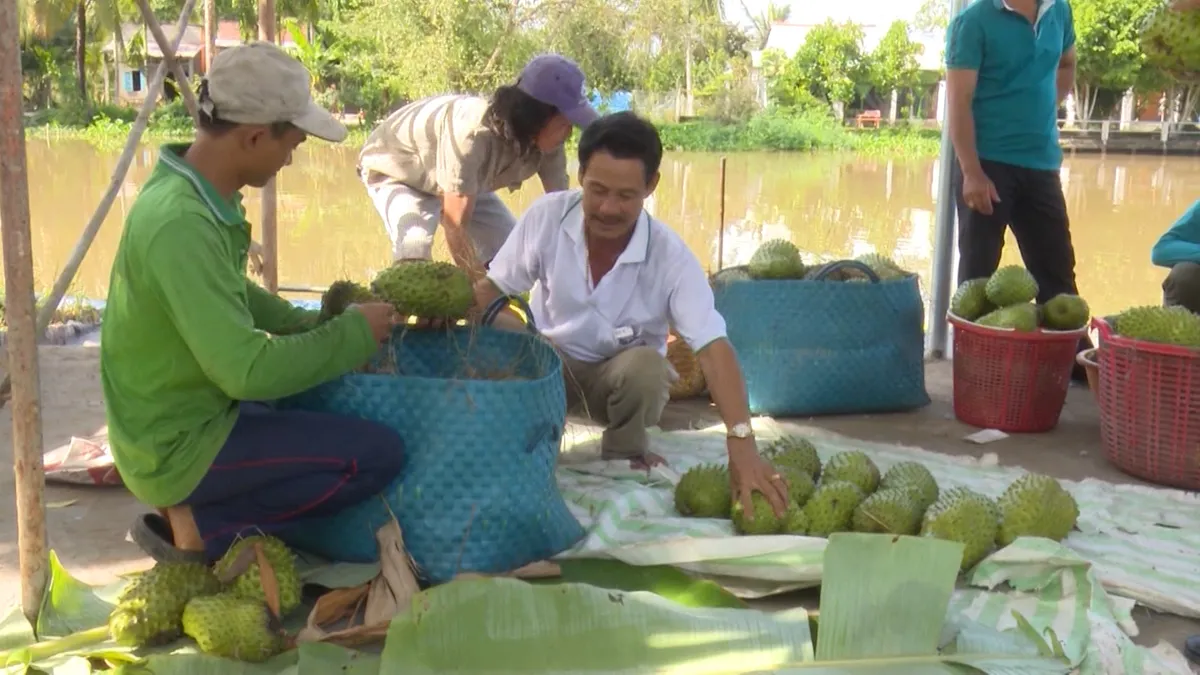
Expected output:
{"points": [[770, 131]]}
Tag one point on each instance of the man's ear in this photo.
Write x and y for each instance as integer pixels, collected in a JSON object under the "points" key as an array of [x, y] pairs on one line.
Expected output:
{"points": [[653, 184]]}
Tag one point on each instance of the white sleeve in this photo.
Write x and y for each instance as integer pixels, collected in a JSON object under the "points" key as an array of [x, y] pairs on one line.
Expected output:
{"points": [[693, 313], [517, 264]]}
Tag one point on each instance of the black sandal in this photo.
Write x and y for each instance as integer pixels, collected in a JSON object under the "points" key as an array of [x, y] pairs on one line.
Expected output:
{"points": [[152, 533], [1191, 649]]}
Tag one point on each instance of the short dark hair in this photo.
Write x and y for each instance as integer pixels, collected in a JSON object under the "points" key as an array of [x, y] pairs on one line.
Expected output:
{"points": [[517, 117], [623, 135], [215, 126]]}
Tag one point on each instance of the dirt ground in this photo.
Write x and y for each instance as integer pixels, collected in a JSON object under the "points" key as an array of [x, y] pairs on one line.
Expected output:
{"points": [[87, 526]]}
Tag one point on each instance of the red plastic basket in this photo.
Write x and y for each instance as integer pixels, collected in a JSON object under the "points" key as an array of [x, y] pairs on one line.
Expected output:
{"points": [[1009, 380], [1150, 408]]}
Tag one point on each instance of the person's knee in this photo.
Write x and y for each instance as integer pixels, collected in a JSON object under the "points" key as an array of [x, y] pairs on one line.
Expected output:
{"points": [[1182, 286], [378, 452], [643, 374]]}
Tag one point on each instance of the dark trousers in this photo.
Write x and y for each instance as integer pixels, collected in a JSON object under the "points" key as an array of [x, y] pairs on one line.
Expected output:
{"points": [[280, 466], [1033, 205], [1182, 287]]}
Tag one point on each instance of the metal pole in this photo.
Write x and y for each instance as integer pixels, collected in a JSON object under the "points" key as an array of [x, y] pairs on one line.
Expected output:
{"points": [[721, 215], [270, 241], [20, 307], [942, 286]]}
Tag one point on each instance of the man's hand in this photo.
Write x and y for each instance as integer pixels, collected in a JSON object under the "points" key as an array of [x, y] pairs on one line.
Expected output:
{"points": [[979, 192], [749, 472], [255, 258], [382, 317]]}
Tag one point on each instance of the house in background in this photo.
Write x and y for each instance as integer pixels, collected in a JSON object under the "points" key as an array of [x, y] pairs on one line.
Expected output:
{"points": [[131, 73], [788, 37]]}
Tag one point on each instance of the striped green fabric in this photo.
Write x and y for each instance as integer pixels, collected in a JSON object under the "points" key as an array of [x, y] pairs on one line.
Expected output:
{"points": [[1134, 544]]}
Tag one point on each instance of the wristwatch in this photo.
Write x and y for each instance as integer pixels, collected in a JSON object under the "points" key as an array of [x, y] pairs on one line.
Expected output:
{"points": [[741, 430]]}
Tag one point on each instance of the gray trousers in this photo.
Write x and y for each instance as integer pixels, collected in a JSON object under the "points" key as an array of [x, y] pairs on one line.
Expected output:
{"points": [[1182, 287], [403, 208], [626, 393]]}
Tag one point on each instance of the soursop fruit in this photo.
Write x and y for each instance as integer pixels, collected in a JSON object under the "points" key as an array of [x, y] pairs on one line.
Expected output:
{"points": [[1011, 285], [794, 521], [429, 289], [796, 452], [233, 627], [1022, 318], [1065, 312], [342, 294], [895, 511], [776, 259], [970, 300], [1035, 506], [967, 517], [1165, 325], [149, 609], [729, 274], [831, 508], [703, 492], [761, 519], [248, 584], [884, 267], [913, 477], [853, 466], [800, 485]]}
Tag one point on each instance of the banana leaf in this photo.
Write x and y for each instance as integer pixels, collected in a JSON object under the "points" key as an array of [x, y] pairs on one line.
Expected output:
{"points": [[883, 606]]}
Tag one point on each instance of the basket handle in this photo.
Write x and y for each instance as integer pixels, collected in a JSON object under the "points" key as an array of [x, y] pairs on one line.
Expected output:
{"points": [[830, 268], [548, 434], [496, 306]]}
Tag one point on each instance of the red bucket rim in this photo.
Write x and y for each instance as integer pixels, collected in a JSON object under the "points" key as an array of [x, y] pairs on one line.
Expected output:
{"points": [[1039, 335], [1109, 336]]}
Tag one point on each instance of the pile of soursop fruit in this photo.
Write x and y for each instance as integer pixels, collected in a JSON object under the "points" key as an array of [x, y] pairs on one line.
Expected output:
{"points": [[779, 259], [428, 289], [849, 494], [1007, 300], [1163, 325]]}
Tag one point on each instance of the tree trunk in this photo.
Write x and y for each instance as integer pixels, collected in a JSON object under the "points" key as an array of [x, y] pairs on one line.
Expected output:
{"points": [[895, 107], [81, 50], [210, 33]]}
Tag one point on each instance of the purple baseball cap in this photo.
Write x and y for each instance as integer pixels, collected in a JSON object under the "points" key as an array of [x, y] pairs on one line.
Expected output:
{"points": [[556, 80]]}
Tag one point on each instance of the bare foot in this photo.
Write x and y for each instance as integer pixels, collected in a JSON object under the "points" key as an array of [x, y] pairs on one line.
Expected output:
{"points": [[646, 462]]}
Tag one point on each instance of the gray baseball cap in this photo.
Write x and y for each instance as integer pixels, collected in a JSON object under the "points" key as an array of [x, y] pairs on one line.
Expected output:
{"points": [[260, 83], [556, 80]]}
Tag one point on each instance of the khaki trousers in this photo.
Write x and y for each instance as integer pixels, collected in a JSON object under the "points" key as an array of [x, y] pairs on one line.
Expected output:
{"points": [[1182, 287], [626, 393]]}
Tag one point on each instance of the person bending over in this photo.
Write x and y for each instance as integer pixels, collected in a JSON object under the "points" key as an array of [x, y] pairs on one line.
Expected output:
{"points": [[1179, 249], [608, 281], [441, 160], [192, 351]]}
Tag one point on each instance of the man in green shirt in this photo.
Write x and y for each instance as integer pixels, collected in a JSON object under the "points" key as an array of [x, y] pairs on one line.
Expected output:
{"points": [[192, 352]]}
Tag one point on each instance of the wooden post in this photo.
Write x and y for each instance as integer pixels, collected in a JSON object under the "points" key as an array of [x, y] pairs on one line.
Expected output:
{"points": [[721, 215], [270, 242], [46, 312], [210, 33], [22, 331], [168, 51]]}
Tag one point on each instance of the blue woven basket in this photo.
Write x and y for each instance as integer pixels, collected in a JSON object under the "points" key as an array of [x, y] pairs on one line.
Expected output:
{"points": [[478, 490], [818, 347]]}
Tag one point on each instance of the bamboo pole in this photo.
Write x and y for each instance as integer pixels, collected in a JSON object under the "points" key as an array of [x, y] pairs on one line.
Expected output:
{"points": [[20, 308], [270, 240], [168, 50], [721, 215], [114, 187]]}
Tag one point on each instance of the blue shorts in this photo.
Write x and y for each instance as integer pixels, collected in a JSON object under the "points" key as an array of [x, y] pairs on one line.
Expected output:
{"points": [[281, 466]]}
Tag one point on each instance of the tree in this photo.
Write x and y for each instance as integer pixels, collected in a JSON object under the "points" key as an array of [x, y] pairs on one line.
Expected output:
{"points": [[934, 15], [761, 23], [1172, 50], [1107, 41], [830, 62], [894, 64]]}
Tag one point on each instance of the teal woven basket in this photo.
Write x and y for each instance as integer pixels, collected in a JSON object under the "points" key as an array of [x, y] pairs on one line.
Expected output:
{"points": [[478, 490], [821, 347]]}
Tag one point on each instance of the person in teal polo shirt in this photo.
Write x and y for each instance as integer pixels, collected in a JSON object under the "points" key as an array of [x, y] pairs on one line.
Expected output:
{"points": [[1009, 64], [192, 352], [1179, 249]]}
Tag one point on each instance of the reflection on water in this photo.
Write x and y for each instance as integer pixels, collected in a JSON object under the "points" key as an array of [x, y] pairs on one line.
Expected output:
{"points": [[830, 206]]}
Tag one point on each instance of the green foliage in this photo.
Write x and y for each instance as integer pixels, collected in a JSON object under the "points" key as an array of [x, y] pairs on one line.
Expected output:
{"points": [[1107, 42], [893, 64], [829, 66]]}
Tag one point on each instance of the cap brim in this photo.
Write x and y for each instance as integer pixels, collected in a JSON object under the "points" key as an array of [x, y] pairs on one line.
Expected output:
{"points": [[582, 115], [319, 122]]}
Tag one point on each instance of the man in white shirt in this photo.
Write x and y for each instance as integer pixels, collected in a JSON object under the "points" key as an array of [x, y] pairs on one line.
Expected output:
{"points": [[608, 282]]}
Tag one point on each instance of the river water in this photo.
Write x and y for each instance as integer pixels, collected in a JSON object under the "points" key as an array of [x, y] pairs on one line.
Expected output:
{"points": [[829, 205]]}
